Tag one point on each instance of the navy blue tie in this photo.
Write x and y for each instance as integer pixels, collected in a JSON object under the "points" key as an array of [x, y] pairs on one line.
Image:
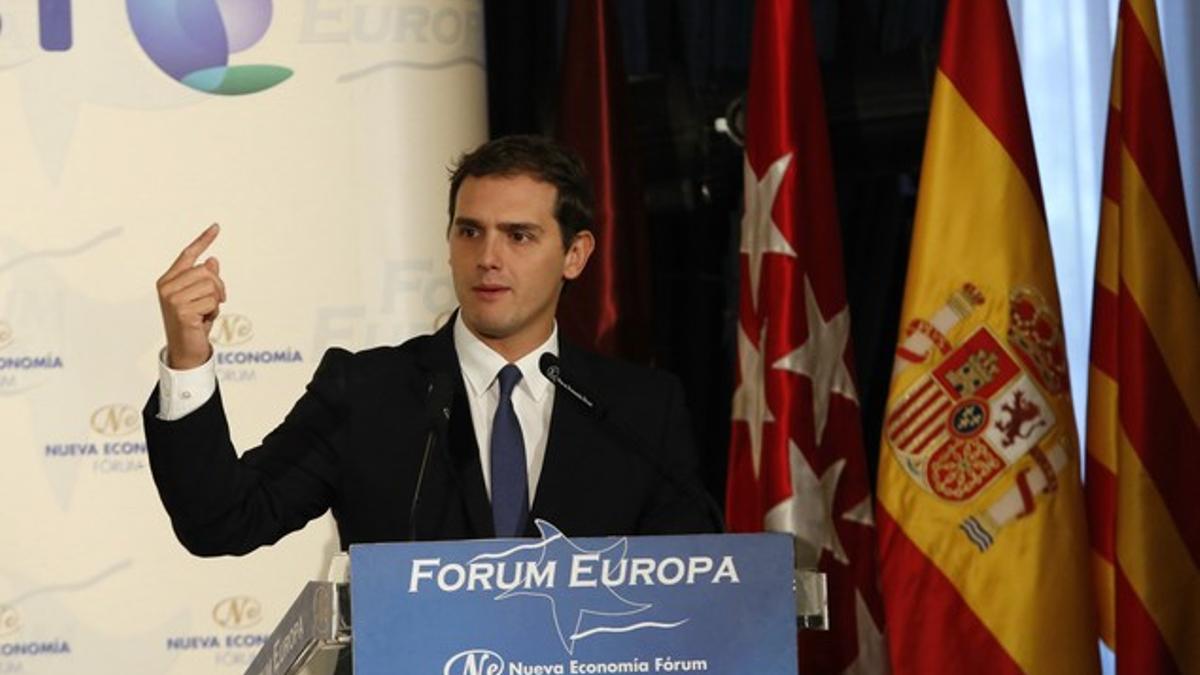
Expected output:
{"points": [[510, 502]]}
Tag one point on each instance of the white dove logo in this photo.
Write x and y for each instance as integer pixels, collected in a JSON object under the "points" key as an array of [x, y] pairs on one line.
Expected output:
{"points": [[573, 606]]}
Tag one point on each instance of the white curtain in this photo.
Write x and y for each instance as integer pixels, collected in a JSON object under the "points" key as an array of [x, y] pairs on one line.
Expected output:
{"points": [[1066, 60]]}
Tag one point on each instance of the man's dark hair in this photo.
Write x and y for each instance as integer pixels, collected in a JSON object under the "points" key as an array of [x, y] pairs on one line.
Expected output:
{"points": [[540, 158]]}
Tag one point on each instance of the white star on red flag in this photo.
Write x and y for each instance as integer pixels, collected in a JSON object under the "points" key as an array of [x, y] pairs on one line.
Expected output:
{"points": [[750, 403], [872, 652], [760, 235], [808, 513], [820, 358]]}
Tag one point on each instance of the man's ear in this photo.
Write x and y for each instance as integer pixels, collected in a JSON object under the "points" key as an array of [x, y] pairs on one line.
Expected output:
{"points": [[577, 254]]}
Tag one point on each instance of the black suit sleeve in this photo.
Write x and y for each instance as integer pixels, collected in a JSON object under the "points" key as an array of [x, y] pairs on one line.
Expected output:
{"points": [[679, 504], [220, 503]]}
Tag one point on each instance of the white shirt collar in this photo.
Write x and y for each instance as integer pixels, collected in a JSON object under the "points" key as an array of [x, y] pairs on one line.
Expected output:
{"points": [[480, 363]]}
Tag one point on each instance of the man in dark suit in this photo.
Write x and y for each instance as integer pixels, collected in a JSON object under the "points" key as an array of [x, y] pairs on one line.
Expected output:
{"points": [[618, 460]]}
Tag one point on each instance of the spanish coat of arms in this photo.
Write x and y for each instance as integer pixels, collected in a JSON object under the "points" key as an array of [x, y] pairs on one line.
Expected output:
{"points": [[984, 409]]}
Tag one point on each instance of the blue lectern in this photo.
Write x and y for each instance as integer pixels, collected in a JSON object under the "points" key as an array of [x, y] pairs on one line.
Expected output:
{"points": [[661, 604]]}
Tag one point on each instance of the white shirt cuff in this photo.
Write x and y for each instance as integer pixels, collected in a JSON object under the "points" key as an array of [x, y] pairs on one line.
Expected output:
{"points": [[181, 392]]}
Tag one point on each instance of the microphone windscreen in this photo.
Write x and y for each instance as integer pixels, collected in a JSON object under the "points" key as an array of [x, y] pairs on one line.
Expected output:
{"points": [[439, 398], [548, 364]]}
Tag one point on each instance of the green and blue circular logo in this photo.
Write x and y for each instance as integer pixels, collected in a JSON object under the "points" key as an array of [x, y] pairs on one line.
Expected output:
{"points": [[192, 40]]}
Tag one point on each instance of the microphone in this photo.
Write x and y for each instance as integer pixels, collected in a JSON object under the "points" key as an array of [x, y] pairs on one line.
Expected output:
{"points": [[438, 399], [439, 396], [548, 363]]}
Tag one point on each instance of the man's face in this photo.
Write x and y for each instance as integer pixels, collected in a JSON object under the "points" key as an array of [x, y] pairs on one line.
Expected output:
{"points": [[508, 260]]}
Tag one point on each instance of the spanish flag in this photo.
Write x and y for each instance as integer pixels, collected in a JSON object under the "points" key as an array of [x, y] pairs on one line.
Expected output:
{"points": [[983, 539], [1143, 431]]}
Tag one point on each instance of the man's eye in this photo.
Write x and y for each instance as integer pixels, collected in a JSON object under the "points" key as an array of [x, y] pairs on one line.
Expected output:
{"points": [[468, 232], [521, 236]]}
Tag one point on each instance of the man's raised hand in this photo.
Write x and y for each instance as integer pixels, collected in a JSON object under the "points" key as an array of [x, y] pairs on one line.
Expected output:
{"points": [[190, 296]]}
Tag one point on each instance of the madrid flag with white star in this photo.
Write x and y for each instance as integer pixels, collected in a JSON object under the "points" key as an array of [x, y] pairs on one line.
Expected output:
{"points": [[983, 544], [796, 461]]}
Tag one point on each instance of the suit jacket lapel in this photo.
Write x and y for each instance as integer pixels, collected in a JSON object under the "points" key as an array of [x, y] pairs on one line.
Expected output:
{"points": [[566, 439], [462, 449]]}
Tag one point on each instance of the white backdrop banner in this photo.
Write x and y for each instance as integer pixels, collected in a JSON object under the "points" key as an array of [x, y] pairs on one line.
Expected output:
{"points": [[317, 133]]}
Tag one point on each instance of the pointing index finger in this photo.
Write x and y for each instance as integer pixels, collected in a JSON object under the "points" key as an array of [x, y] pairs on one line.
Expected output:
{"points": [[187, 258]]}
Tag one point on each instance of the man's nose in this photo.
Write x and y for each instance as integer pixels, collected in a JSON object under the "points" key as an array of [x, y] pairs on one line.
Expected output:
{"points": [[489, 254]]}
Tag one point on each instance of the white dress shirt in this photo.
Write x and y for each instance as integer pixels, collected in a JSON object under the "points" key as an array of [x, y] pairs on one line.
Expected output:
{"points": [[181, 392], [532, 399]]}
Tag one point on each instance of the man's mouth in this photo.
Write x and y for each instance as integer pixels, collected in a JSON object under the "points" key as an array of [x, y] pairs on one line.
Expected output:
{"points": [[489, 291]]}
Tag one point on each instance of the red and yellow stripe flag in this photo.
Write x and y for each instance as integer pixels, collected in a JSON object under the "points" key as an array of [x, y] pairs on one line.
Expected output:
{"points": [[981, 521], [1143, 433]]}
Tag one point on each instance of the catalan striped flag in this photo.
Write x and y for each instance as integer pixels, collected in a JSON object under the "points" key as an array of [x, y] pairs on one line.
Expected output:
{"points": [[1143, 431], [983, 537]]}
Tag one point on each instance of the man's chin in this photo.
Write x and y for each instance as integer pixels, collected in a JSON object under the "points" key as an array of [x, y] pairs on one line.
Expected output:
{"points": [[488, 328]]}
